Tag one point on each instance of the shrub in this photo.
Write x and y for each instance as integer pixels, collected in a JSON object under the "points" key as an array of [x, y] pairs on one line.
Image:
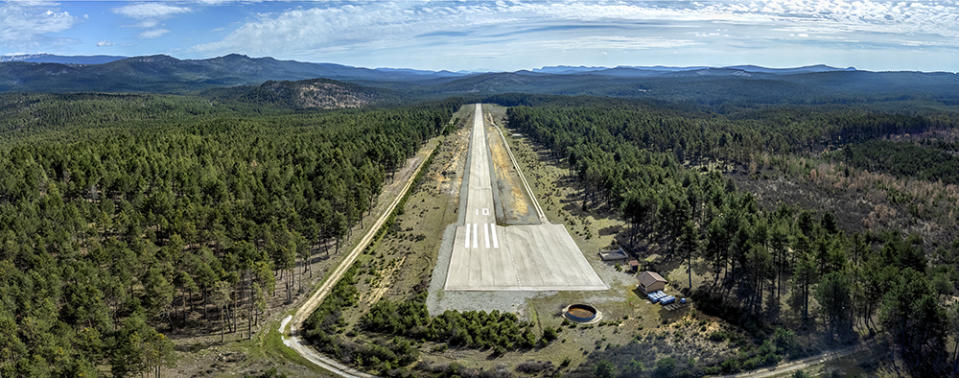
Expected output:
{"points": [[665, 367], [634, 369], [549, 334], [534, 367], [785, 340], [730, 366], [605, 369]]}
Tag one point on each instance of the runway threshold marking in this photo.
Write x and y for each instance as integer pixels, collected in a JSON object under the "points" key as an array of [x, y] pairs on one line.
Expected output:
{"points": [[486, 229], [467, 235], [475, 235], [472, 234]]}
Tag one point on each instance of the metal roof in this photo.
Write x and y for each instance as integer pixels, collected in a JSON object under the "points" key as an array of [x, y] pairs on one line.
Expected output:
{"points": [[648, 278]]}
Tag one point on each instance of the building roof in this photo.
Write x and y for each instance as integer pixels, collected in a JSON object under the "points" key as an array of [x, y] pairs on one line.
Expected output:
{"points": [[648, 278], [618, 254], [633, 262]]}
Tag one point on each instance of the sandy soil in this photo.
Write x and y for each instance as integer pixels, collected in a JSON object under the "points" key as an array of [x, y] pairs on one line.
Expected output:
{"points": [[514, 205]]}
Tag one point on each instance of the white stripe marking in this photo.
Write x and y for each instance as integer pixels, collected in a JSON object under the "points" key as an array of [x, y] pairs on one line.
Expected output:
{"points": [[486, 229], [475, 235], [467, 235], [493, 229]]}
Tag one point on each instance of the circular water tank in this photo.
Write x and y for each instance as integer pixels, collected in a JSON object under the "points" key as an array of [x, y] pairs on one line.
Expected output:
{"points": [[580, 313]]}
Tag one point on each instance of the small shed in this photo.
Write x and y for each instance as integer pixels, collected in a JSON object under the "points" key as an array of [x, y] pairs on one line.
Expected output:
{"points": [[633, 265], [617, 255], [651, 281]]}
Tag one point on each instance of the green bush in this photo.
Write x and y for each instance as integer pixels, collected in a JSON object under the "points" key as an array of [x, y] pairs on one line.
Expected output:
{"points": [[605, 369], [549, 334], [730, 366], [665, 367], [472, 329]]}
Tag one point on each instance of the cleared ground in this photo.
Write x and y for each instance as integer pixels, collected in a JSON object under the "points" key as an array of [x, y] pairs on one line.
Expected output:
{"points": [[489, 257], [513, 203]]}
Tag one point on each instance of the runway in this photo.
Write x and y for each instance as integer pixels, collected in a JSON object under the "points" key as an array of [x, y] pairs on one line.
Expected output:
{"points": [[489, 257]]}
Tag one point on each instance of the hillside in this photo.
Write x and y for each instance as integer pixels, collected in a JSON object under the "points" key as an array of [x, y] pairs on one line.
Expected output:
{"points": [[165, 74], [303, 94], [61, 59]]}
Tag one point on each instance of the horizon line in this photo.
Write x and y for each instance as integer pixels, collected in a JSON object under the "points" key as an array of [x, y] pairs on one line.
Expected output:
{"points": [[469, 71]]}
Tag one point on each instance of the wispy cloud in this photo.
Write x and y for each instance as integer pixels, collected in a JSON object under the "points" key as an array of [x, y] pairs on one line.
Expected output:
{"points": [[150, 15], [474, 34], [105, 44], [153, 33], [150, 10], [25, 24], [364, 25], [614, 42], [146, 24]]}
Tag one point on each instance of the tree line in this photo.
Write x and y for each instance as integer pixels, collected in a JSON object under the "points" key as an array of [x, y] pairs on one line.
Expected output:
{"points": [[924, 162]]}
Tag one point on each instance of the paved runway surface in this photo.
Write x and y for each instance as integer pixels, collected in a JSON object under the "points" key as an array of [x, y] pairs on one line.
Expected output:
{"points": [[526, 257]]}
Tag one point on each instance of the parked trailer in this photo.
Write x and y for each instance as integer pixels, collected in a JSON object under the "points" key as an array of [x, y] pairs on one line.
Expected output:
{"points": [[656, 296]]}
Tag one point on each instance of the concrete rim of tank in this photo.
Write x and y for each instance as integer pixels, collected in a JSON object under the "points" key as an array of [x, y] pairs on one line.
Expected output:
{"points": [[597, 315]]}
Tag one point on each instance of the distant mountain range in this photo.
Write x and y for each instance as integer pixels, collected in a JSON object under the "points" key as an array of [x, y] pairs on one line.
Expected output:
{"points": [[48, 58], [162, 73], [709, 85], [637, 70]]}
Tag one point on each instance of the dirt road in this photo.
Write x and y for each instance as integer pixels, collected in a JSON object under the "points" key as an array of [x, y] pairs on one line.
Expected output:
{"points": [[294, 322], [788, 368]]}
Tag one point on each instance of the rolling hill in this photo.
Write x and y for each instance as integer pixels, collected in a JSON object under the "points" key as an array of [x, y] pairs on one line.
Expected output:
{"points": [[745, 84], [304, 94], [162, 73], [61, 59]]}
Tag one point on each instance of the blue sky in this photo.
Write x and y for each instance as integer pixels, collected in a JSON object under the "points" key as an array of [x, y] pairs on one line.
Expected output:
{"points": [[501, 35]]}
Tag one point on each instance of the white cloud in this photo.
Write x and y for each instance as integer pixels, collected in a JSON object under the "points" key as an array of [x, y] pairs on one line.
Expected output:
{"points": [[150, 15], [23, 24], [337, 26], [219, 2], [153, 33], [612, 42], [104, 44], [146, 24], [150, 10]]}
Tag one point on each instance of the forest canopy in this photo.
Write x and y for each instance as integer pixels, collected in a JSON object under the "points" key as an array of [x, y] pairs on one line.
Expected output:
{"points": [[122, 215]]}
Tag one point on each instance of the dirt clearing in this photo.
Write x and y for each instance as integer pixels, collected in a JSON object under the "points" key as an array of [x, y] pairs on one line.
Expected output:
{"points": [[515, 205]]}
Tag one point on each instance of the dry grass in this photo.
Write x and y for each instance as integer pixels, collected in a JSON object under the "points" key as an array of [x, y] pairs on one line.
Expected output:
{"points": [[519, 205], [383, 284]]}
